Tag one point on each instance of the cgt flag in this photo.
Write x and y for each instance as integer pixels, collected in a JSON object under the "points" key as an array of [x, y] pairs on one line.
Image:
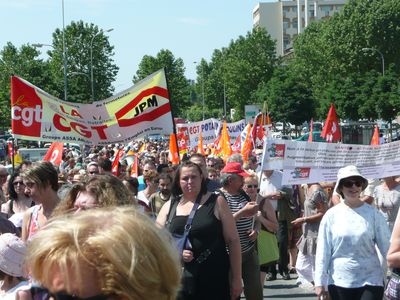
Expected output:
{"points": [[137, 111], [331, 131], [54, 154]]}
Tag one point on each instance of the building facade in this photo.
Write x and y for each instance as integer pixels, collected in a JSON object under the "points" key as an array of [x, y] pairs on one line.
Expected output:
{"points": [[280, 18]]}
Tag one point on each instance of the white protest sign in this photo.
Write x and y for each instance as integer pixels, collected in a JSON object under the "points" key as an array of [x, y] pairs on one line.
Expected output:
{"points": [[284, 154], [302, 175]]}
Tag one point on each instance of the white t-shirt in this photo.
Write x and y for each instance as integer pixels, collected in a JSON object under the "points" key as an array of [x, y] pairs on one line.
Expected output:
{"points": [[271, 184]]}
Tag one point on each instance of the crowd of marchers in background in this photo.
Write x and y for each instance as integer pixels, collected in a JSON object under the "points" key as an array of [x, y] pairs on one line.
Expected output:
{"points": [[201, 229]]}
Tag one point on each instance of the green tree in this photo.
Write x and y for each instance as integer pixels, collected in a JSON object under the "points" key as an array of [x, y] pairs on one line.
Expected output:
{"points": [[235, 72], [22, 62], [81, 39], [289, 98], [178, 85], [330, 53]]}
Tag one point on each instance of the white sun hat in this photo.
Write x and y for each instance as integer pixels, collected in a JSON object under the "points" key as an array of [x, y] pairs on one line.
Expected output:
{"points": [[347, 172], [12, 255]]}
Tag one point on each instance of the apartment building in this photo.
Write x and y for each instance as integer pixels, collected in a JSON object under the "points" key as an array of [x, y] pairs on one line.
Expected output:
{"points": [[280, 18]]}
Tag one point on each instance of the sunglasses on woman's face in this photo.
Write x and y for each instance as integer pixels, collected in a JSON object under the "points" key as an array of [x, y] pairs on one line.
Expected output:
{"points": [[254, 186], [349, 183], [64, 296], [39, 293]]}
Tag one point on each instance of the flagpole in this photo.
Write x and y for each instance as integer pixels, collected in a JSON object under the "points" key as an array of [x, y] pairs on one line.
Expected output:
{"points": [[13, 155], [260, 177], [172, 114]]}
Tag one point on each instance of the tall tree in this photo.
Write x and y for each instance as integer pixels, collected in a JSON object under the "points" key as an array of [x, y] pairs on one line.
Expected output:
{"points": [[331, 53], [288, 96], [235, 72], [178, 85], [83, 42]]}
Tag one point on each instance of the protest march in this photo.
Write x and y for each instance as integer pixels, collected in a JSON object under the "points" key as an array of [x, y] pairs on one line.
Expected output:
{"points": [[213, 185]]}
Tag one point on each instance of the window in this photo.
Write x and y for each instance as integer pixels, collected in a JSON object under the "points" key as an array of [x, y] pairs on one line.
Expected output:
{"points": [[325, 10], [295, 23], [286, 41], [286, 23]]}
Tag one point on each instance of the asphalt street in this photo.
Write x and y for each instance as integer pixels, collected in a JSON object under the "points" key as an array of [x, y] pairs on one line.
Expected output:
{"points": [[287, 289]]}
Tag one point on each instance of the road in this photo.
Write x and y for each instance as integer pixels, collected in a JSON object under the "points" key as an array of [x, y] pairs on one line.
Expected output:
{"points": [[286, 289]]}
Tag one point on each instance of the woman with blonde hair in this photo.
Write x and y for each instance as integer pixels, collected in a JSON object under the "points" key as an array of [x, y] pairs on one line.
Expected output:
{"points": [[104, 254], [96, 191]]}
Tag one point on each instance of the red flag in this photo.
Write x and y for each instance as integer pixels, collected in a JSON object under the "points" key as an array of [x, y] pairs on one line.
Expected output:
{"points": [[260, 133], [247, 144], [311, 130], [134, 167], [173, 155], [237, 145], [114, 168], [331, 131], [254, 130], [375, 136], [10, 150], [54, 154], [216, 149]]}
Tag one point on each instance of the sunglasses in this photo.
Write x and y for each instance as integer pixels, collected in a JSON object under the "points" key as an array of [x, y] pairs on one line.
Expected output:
{"points": [[64, 296], [39, 293], [250, 186], [18, 183], [349, 183], [93, 172]]}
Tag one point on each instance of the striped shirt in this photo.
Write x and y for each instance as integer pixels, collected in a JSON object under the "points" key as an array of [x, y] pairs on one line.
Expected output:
{"points": [[243, 225]]}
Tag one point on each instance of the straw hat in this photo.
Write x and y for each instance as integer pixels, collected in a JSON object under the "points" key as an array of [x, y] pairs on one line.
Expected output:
{"points": [[347, 172], [12, 255]]}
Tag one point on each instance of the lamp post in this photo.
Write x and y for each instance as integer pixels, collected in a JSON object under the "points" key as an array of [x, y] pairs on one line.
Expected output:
{"points": [[91, 59], [380, 53], [202, 85], [64, 63]]}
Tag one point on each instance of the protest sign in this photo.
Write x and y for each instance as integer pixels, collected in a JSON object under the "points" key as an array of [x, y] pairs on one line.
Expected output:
{"points": [[302, 175], [140, 110], [284, 154], [211, 129]]}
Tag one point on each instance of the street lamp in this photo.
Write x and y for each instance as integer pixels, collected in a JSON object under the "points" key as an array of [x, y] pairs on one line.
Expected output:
{"points": [[64, 58], [202, 85], [91, 59], [380, 53]]}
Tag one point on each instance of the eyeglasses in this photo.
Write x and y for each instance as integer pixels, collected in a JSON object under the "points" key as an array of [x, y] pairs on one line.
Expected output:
{"points": [[43, 293], [18, 183], [254, 186], [349, 183], [64, 296], [29, 184]]}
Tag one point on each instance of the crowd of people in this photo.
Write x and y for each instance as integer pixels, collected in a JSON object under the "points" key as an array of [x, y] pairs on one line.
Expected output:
{"points": [[190, 231]]}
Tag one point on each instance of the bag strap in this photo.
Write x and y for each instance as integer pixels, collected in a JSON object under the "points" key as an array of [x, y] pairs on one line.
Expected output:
{"points": [[172, 213], [189, 221]]}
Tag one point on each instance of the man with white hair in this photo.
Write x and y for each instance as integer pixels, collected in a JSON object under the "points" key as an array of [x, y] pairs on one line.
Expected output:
{"points": [[92, 168]]}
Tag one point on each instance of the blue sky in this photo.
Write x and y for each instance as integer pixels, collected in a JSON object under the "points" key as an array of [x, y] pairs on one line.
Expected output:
{"points": [[190, 29]]}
